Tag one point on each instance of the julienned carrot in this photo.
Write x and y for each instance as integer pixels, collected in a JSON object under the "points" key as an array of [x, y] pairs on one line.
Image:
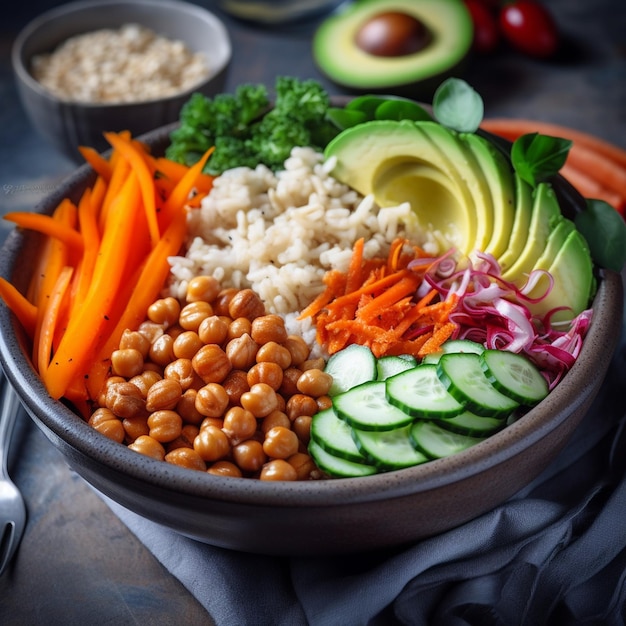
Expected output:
{"points": [[175, 171], [88, 223], [25, 311], [380, 309], [131, 152], [47, 225], [99, 164]]}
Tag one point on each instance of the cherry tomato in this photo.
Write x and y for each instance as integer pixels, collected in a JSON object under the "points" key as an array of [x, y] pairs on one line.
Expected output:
{"points": [[486, 32], [530, 28]]}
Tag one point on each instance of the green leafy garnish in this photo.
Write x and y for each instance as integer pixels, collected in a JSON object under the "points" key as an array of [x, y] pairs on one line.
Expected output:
{"points": [[458, 106], [246, 130], [605, 231], [537, 157]]}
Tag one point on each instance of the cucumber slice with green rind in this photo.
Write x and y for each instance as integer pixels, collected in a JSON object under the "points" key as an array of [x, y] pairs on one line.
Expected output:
{"points": [[463, 376], [366, 407], [437, 442], [515, 376], [387, 366], [334, 435], [468, 423], [350, 367], [335, 466], [454, 345], [390, 449], [420, 393]]}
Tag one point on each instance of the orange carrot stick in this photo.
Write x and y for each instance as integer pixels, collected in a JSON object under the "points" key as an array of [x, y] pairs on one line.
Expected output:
{"points": [[47, 225], [24, 310], [99, 164]]}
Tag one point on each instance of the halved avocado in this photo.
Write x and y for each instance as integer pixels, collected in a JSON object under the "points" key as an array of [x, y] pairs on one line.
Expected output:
{"points": [[433, 39]]}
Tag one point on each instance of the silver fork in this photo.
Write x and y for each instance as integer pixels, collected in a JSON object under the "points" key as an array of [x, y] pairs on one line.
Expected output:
{"points": [[12, 507]]}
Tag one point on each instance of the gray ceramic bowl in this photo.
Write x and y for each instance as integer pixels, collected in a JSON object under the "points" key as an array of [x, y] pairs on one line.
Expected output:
{"points": [[316, 517], [70, 124], [274, 12]]}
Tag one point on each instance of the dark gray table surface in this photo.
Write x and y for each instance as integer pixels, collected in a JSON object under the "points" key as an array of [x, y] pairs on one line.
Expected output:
{"points": [[78, 564]]}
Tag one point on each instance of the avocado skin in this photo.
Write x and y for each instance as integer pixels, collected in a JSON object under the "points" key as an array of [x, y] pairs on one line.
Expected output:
{"points": [[470, 194], [418, 75]]}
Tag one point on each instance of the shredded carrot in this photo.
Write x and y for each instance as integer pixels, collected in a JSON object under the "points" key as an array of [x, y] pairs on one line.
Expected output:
{"points": [[25, 311], [379, 307], [48, 226], [99, 164]]}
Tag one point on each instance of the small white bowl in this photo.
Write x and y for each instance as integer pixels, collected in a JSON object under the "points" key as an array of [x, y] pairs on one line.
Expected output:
{"points": [[68, 124]]}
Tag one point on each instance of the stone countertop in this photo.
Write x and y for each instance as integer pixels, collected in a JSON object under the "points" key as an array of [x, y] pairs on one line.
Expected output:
{"points": [[78, 563]]}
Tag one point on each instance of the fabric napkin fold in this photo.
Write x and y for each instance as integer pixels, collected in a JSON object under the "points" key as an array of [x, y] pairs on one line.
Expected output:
{"points": [[555, 553]]}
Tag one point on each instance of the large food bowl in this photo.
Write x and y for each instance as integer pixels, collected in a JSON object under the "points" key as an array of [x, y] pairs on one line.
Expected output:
{"points": [[312, 517]]}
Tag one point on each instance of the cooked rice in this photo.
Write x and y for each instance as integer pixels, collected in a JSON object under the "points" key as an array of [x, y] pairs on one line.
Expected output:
{"points": [[278, 233]]}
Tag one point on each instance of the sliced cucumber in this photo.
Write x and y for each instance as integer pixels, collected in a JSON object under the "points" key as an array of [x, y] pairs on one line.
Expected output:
{"points": [[454, 345], [420, 393], [387, 366], [437, 442], [515, 376], [366, 407], [390, 449], [461, 373], [334, 435], [336, 466], [350, 367], [468, 423]]}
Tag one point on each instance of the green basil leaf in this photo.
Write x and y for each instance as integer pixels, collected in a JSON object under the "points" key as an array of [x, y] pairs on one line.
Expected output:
{"points": [[605, 231], [536, 157], [458, 106], [344, 118], [402, 110]]}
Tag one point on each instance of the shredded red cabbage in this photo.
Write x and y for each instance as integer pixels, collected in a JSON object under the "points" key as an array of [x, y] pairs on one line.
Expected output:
{"points": [[494, 312]]}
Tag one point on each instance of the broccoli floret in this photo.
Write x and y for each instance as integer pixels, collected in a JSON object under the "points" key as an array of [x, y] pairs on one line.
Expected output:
{"points": [[246, 131]]}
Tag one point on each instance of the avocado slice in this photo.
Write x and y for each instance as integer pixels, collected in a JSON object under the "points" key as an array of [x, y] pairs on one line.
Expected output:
{"points": [[339, 55]]}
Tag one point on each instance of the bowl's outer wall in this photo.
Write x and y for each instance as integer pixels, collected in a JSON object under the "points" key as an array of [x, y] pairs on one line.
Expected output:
{"points": [[319, 517], [68, 124]]}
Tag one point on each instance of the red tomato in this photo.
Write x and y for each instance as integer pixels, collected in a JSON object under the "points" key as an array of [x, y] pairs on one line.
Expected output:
{"points": [[529, 27], [486, 33]]}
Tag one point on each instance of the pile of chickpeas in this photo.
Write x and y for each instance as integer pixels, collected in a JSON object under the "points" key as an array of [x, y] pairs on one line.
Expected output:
{"points": [[215, 384]]}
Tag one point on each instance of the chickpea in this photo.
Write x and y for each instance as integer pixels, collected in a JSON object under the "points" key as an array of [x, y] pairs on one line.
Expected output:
{"points": [[238, 327], [181, 370], [187, 458], [268, 328], [187, 344], [241, 352], [185, 440], [289, 386], [213, 329], [266, 372], [164, 394], [112, 380], [222, 302], [314, 382], [302, 427], [324, 402], [310, 364], [145, 380], [192, 314], [260, 400], [135, 427], [203, 288], [211, 363], [300, 404], [124, 399], [246, 303], [164, 311], [274, 352], [280, 442], [162, 350], [239, 424], [275, 418], [186, 407], [148, 446], [278, 469], [303, 464], [218, 422], [212, 400], [224, 468], [151, 330], [298, 349], [107, 424], [165, 425], [135, 340], [249, 455], [211, 443], [236, 384], [175, 331]]}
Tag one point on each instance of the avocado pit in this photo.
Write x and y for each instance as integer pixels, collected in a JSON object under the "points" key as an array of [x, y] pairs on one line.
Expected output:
{"points": [[392, 34]]}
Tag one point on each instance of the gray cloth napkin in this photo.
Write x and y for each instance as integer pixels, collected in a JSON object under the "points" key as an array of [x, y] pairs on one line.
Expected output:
{"points": [[553, 554]]}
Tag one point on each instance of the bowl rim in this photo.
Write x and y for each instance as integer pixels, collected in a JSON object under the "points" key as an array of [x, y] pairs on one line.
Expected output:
{"points": [[515, 439], [59, 12]]}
